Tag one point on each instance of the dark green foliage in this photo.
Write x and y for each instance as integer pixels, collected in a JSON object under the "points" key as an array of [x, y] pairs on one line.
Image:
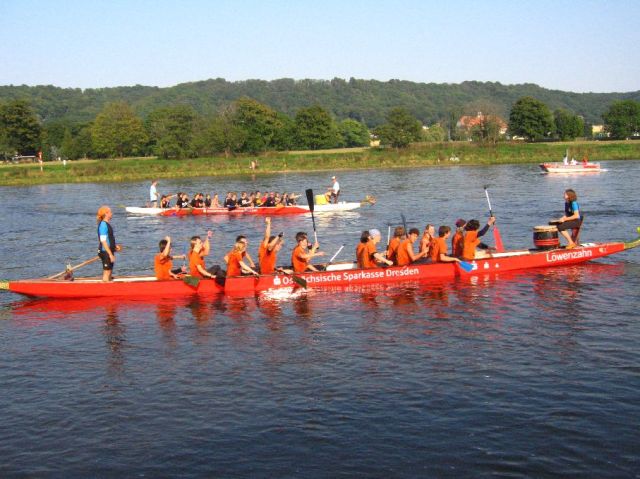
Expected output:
{"points": [[530, 119], [315, 129], [622, 119], [171, 130], [353, 133], [19, 129], [117, 131], [401, 129], [568, 126]]}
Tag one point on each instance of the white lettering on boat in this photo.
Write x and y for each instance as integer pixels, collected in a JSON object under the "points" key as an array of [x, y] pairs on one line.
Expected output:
{"points": [[554, 256], [348, 276]]}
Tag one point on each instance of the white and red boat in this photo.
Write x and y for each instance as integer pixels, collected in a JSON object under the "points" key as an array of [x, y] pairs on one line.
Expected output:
{"points": [[569, 168], [273, 211], [340, 274]]}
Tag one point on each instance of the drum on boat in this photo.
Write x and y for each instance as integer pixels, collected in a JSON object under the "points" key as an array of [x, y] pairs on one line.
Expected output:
{"points": [[546, 237]]}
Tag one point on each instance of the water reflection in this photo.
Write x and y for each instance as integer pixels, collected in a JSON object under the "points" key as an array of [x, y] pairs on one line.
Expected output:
{"points": [[114, 333]]}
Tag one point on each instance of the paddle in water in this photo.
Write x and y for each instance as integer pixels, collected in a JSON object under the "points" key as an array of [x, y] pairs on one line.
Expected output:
{"points": [[496, 232]]}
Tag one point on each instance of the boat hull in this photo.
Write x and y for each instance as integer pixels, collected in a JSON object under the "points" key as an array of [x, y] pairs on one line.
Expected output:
{"points": [[339, 275], [276, 211], [562, 168]]}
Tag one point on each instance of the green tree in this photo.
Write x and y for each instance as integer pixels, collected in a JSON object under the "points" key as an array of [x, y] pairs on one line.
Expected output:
{"points": [[568, 126], [531, 119], [20, 129], [260, 124], [315, 129], [434, 133], [401, 129], [171, 130], [223, 135], [353, 133], [622, 119], [117, 131]]}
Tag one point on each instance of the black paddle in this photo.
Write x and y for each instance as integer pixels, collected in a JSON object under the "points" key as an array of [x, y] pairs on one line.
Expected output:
{"points": [[311, 204]]}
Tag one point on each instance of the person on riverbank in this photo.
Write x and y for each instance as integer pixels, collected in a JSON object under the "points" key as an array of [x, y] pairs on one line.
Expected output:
{"points": [[153, 194], [394, 244], [472, 242], [571, 218], [367, 255], [197, 252], [269, 249], [163, 262], [301, 255], [107, 245], [406, 255]]}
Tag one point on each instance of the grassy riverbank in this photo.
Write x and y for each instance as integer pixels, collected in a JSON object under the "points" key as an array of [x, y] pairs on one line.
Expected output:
{"points": [[436, 155]]}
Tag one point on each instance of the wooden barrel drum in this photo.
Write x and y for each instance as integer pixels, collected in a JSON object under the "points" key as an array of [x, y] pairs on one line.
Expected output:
{"points": [[545, 237]]}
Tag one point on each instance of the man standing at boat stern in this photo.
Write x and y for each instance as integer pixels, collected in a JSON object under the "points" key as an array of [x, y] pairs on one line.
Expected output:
{"points": [[107, 245], [153, 194], [335, 189]]}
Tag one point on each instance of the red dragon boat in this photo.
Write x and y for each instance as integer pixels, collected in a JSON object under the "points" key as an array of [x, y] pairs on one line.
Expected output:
{"points": [[340, 274], [274, 211]]}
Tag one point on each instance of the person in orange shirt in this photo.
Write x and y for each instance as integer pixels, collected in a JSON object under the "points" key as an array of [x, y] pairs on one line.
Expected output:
{"points": [[405, 255], [457, 241], [163, 261], [472, 239], [366, 254], [235, 264], [197, 252], [269, 248], [428, 239], [302, 255], [441, 254], [392, 247]]}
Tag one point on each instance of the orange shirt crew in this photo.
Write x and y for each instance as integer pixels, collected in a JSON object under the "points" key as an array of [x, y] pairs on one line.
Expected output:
{"points": [[162, 265], [392, 250], [471, 241], [233, 265], [403, 258], [194, 260], [364, 255], [267, 259], [299, 263]]}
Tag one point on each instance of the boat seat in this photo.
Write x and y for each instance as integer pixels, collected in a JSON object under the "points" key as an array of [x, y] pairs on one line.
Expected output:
{"points": [[575, 232]]}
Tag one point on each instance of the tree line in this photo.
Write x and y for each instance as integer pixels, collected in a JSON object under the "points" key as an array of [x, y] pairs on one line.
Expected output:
{"points": [[247, 126]]}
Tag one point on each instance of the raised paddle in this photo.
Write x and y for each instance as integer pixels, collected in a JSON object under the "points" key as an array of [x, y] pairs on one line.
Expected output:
{"points": [[309, 193], [467, 267], [73, 268], [496, 232]]}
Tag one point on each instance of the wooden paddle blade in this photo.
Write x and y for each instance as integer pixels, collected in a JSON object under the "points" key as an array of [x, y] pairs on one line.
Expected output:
{"points": [[309, 193], [299, 281], [191, 281], [467, 267], [498, 239]]}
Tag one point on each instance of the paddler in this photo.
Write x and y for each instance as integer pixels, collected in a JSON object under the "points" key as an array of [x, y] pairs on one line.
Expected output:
{"points": [[440, 253], [107, 246], [457, 241], [235, 264], [366, 254], [269, 248], [405, 255], [302, 254], [197, 252], [428, 240], [472, 239], [163, 261], [392, 247]]}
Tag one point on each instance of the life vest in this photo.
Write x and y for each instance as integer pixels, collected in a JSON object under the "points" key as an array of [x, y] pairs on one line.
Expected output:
{"points": [[568, 208], [110, 235]]}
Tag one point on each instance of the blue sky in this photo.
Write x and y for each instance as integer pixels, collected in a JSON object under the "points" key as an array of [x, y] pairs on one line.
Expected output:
{"points": [[575, 46]]}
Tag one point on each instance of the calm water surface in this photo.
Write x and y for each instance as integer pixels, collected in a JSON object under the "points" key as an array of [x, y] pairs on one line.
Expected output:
{"points": [[534, 374]]}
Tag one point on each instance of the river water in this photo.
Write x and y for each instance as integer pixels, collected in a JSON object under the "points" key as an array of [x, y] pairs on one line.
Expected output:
{"points": [[534, 374]]}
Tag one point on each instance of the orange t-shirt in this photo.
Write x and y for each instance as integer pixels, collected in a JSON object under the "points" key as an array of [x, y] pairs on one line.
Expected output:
{"points": [[469, 248], [364, 255], [299, 263], [267, 259], [440, 248], [403, 256], [194, 260], [233, 263], [162, 265], [457, 244], [392, 249]]}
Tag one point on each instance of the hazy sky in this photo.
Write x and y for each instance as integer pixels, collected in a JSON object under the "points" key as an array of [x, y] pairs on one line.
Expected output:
{"points": [[575, 46]]}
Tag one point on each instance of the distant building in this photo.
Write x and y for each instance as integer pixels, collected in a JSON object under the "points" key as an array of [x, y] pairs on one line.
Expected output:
{"points": [[466, 123]]}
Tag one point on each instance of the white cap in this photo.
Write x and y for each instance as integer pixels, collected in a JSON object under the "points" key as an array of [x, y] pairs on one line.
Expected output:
{"points": [[374, 232]]}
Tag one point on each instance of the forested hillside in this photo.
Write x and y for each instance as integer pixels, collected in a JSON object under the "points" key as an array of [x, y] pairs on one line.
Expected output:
{"points": [[364, 100]]}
